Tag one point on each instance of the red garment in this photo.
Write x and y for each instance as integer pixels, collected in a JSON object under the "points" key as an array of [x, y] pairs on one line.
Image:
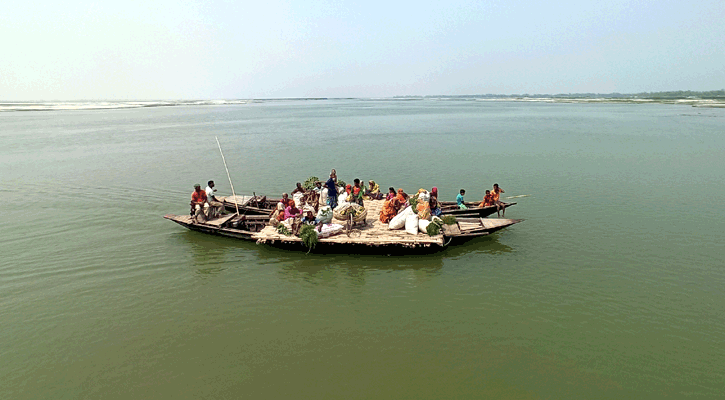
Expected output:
{"points": [[198, 196]]}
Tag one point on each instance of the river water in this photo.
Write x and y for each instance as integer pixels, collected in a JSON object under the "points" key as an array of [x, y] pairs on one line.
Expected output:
{"points": [[612, 286]]}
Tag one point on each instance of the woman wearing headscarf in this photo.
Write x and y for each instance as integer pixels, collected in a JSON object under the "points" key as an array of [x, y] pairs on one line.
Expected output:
{"points": [[373, 191], [389, 210], [402, 198], [435, 208], [277, 215]]}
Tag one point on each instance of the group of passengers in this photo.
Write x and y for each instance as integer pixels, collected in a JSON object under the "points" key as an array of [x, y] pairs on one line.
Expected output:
{"points": [[491, 198], [204, 204], [396, 201], [322, 194]]}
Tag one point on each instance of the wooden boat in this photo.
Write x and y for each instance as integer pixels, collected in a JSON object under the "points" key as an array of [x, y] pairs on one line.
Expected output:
{"points": [[231, 225], [373, 237], [249, 205], [261, 205], [473, 210]]}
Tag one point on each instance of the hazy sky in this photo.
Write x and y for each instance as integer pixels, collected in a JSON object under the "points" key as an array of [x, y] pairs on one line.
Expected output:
{"points": [[68, 50]]}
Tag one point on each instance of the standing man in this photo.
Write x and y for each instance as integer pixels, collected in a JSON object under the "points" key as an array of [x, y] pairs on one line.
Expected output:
{"points": [[215, 206], [332, 189], [199, 204]]}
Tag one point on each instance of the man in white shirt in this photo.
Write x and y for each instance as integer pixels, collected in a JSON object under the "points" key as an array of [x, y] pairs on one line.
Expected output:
{"points": [[215, 206]]}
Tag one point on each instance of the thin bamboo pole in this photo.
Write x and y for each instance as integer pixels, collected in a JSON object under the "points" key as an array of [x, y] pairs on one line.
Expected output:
{"points": [[228, 176]]}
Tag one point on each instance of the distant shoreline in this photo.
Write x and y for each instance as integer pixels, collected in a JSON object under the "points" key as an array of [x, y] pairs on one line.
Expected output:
{"points": [[708, 100]]}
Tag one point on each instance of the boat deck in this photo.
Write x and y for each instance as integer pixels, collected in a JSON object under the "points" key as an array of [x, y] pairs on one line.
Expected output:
{"points": [[375, 233], [186, 219]]}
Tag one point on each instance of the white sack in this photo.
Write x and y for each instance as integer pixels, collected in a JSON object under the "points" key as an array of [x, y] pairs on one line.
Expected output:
{"points": [[423, 225], [330, 230], [325, 215], [398, 222], [411, 224]]}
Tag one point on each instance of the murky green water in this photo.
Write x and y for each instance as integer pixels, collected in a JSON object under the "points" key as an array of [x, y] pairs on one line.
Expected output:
{"points": [[611, 288]]}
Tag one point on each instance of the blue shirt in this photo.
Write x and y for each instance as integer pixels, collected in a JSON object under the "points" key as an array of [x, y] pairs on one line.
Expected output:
{"points": [[459, 199]]}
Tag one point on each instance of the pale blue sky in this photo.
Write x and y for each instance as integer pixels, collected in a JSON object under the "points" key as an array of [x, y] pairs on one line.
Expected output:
{"points": [[260, 49]]}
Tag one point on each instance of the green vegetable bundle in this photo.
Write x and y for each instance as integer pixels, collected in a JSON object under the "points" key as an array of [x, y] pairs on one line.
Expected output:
{"points": [[310, 183], [281, 229], [449, 220], [434, 227], [413, 200], [308, 234]]}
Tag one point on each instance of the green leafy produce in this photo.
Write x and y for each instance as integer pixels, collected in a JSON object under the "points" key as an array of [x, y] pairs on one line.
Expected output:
{"points": [[342, 183], [433, 228], [308, 234], [449, 220], [413, 201], [281, 229], [310, 183]]}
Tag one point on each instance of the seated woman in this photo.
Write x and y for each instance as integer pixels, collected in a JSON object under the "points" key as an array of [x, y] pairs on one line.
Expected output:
{"points": [[292, 212], [435, 208], [390, 210], [402, 198], [391, 193], [372, 192], [277, 215]]}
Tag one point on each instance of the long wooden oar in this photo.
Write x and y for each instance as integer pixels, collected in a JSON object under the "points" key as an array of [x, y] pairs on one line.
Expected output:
{"points": [[228, 176]]}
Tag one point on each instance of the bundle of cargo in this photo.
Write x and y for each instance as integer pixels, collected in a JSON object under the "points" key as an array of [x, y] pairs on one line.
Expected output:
{"points": [[343, 211], [417, 217]]}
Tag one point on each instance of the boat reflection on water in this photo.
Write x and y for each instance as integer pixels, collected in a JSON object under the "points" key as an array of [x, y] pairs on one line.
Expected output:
{"points": [[210, 255], [485, 245], [328, 269]]}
